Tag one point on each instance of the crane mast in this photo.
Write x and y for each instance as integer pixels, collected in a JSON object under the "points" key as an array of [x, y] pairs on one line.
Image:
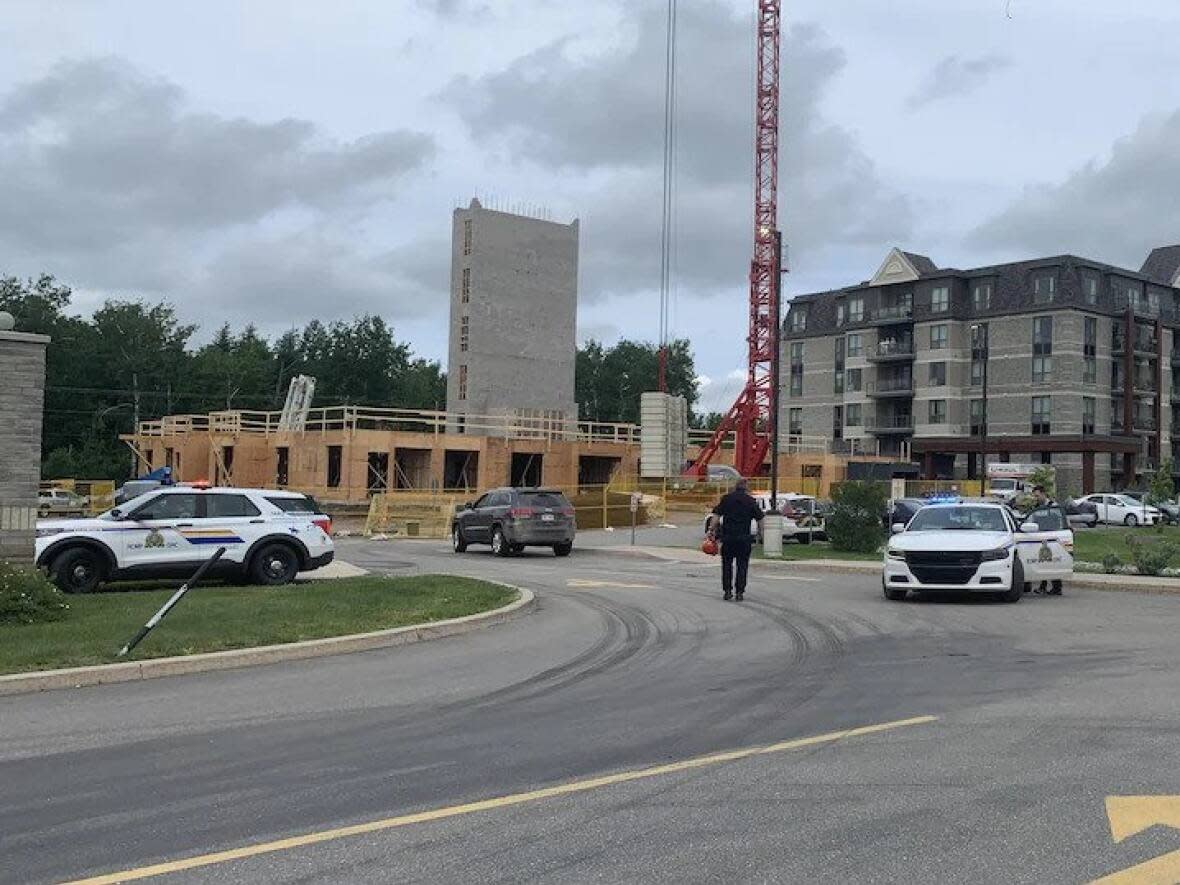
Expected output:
{"points": [[749, 418]]}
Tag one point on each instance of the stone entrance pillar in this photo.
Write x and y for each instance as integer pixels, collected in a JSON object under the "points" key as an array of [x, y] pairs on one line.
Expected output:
{"points": [[22, 399]]}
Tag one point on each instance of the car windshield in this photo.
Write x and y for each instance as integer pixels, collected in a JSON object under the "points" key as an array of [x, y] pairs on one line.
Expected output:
{"points": [[1004, 484], [976, 519]]}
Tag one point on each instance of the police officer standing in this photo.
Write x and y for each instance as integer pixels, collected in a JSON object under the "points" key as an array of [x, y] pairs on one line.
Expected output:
{"points": [[735, 511]]}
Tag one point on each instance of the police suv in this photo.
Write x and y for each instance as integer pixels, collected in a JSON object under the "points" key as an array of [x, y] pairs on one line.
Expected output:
{"points": [[984, 547], [269, 536]]}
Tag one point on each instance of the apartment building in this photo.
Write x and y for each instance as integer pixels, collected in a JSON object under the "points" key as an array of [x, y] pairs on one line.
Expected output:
{"points": [[1060, 360], [513, 327]]}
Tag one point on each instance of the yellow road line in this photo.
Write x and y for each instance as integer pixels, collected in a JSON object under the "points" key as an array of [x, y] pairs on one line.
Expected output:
{"points": [[390, 823], [1162, 870]]}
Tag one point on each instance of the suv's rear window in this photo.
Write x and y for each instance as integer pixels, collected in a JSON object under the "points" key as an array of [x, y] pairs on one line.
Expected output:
{"points": [[295, 505], [544, 499]]}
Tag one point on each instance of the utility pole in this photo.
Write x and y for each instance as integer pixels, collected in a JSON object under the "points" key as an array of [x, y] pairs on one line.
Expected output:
{"points": [[134, 420]]}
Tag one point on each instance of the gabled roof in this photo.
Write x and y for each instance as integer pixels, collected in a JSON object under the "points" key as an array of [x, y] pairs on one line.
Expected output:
{"points": [[1163, 265], [921, 263], [902, 267]]}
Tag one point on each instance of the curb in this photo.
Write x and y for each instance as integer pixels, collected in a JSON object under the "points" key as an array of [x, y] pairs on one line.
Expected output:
{"points": [[155, 668]]}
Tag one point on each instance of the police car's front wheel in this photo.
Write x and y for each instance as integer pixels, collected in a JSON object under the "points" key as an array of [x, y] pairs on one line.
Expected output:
{"points": [[77, 570], [274, 564]]}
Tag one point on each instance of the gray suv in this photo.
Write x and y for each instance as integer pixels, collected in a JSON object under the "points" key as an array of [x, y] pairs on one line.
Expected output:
{"points": [[512, 519]]}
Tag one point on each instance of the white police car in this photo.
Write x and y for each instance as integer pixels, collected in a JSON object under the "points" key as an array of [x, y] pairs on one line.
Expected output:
{"points": [[268, 537], [966, 546]]}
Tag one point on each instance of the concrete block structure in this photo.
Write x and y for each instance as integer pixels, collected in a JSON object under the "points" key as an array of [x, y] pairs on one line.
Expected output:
{"points": [[22, 399], [513, 326], [1063, 360]]}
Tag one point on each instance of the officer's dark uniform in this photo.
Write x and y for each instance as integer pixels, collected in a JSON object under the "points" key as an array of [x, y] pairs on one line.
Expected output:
{"points": [[736, 510]]}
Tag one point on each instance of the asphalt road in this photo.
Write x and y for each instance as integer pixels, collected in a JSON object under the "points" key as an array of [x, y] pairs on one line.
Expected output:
{"points": [[1043, 709]]}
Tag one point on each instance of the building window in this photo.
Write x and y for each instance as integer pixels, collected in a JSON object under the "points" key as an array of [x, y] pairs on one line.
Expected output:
{"points": [[854, 380], [1089, 409], [937, 411], [841, 313], [938, 336], [467, 236], [795, 422], [796, 368], [282, 465], [335, 459], [855, 345], [981, 295], [1090, 352], [940, 299], [838, 422], [1042, 415], [462, 382], [465, 289], [1042, 339], [852, 415], [1044, 288], [977, 427], [856, 309], [976, 373], [464, 333], [798, 319], [1090, 287], [937, 374]]}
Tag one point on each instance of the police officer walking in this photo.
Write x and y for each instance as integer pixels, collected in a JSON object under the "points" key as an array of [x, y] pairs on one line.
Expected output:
{"points": [[735, 511]]}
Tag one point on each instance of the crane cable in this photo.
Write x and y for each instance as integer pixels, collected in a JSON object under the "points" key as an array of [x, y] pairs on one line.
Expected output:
{"points": [[667, 221]]}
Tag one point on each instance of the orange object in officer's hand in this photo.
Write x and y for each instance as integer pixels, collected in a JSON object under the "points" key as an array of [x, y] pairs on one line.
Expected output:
{"points": [[709, 546]]}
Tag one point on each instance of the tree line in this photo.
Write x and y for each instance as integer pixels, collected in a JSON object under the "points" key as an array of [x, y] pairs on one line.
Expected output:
{"points": [[132, 359]]}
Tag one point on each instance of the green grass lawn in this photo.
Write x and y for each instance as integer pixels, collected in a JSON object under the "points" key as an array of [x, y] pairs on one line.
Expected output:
{"points": [[793, 551], [1090, 545], [214, 618]]}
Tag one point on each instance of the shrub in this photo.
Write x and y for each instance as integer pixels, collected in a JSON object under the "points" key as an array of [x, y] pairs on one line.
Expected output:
{"points": [[1151, 557], [855, 521], [27, 597], [1111, 563]]}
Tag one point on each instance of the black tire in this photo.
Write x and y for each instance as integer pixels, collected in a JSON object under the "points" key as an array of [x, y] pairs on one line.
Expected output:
{"points": [[274, 565], [500, 545], [458, 542], [1016, 590], [1056, 588], [78, 570], [517, 549], [803, 539], [893, 594], [563, 549], [1131, 520]]}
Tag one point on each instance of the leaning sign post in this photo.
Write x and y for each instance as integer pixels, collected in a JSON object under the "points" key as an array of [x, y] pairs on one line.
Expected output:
{"points": [[167, 606], [635, 498]]}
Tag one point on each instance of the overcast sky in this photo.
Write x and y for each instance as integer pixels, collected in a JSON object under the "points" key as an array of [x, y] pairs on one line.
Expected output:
{"points": [[271, 162]]}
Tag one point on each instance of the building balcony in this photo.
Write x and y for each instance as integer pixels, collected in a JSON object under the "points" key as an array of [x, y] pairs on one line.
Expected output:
{"points": [[891, 350], [890, 387], [1144, 345], [889, 424], [1141, 307], [896, 313]]}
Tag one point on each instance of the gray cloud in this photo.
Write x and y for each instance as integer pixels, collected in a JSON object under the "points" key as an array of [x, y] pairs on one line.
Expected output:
{"points": [[956, 76], [601, 117], [1115, 210], [112, 181]]}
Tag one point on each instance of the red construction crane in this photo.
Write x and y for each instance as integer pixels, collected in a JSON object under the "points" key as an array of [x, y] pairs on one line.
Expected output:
{"points": [[750, 417]]}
